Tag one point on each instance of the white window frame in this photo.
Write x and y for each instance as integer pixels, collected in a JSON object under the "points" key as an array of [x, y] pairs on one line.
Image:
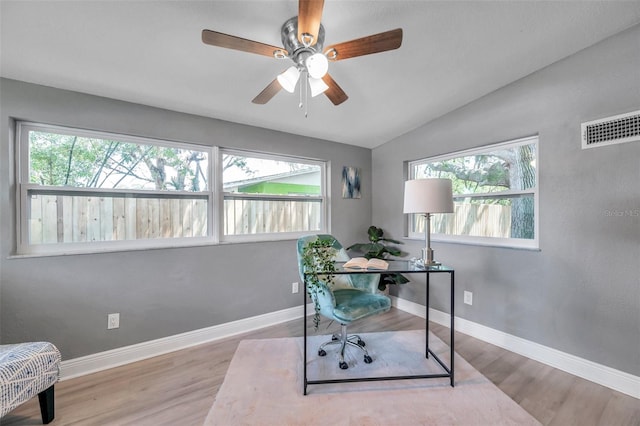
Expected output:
{"points": [[322, 198], [485, 241], [24, 187], [214, 196]]}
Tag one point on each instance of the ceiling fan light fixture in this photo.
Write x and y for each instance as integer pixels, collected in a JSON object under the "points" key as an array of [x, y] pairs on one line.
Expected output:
{"points": [[317, 65], [317, 86], [289, 79], [303, 42]]}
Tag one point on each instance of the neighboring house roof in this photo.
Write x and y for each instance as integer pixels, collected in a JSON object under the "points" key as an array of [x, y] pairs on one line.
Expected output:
{"points": [[269, 178]]}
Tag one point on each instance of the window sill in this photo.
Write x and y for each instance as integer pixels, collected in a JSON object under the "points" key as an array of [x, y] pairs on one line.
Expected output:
{"points": [[106, 250], [493, 244]]}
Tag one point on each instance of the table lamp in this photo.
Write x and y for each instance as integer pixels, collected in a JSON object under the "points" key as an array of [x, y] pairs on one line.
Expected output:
{"points": [[428, 196]]}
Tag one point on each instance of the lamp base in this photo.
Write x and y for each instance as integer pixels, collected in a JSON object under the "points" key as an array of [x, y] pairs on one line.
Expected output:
{"points": [[427, 257], [424, 262], [421, 263]]}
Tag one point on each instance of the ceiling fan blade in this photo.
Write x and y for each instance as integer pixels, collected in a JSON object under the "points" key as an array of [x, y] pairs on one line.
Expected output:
{"points": [[269, 92], [334, 92], [215, 38], [376, 43], [309, 17]]}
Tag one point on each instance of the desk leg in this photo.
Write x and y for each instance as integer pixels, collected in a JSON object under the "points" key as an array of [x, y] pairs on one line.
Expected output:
{"points": [[452, 338], [304, 342], [426, 326]]}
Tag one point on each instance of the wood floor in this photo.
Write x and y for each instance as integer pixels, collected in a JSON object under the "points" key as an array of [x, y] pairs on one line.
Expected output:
{"points": [[179, 388]]}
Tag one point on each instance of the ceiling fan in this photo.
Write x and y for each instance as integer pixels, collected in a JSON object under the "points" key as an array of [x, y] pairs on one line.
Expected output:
{"points": [[303, 40]]}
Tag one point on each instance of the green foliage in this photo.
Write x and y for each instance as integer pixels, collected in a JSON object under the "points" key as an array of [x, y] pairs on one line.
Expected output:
{"points": [[473, 174], [318, 262], [376, 248], [78, 161], [82, 161]]}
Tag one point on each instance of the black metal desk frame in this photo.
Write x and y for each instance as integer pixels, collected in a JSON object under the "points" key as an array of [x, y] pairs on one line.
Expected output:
{"points": [[399, 266]]}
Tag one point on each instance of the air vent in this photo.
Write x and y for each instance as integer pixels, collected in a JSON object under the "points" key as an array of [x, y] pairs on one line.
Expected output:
{"points": [[611, 130]]}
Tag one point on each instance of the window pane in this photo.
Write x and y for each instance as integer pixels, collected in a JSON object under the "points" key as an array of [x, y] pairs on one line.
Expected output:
{"points": [[68, 218], [255, 216], [500, 217], [508, 168], [57, 159], [251, 175]]}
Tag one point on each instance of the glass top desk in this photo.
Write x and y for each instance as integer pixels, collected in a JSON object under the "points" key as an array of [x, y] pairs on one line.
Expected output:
{"points": [[395, 266]]}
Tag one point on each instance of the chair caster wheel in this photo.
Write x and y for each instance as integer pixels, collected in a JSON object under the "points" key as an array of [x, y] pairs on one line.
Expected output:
{"points": [[361, 343], [367, 359], [334, 338], [322, 352], [343, 365]]}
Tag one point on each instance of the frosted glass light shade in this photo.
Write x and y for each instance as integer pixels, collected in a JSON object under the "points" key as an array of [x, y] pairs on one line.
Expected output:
{"points": [[317, 65], [289, 79], [317, 86], [428, 196]]}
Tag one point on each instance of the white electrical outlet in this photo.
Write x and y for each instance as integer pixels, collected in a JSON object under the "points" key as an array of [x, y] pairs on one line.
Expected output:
{"points": [[113, 321], [294, 287], [468, 298]]}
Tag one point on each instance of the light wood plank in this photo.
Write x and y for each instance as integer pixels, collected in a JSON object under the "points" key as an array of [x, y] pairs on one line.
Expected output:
{"points": [[179, 388]]}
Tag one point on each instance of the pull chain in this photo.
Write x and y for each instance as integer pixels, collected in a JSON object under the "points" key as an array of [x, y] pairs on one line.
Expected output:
{"points": [[306, 99], [300, 103], [304, 102]]}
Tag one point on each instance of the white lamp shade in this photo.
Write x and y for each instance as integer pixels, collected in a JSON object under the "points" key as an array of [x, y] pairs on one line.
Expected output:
{"points": [[317, 65], [317, 86], [428, 196], [289, 79]]}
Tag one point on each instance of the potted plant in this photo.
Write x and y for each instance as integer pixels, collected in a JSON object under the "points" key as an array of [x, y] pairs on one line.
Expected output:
{"points": [[318, 263], [377, 248]]}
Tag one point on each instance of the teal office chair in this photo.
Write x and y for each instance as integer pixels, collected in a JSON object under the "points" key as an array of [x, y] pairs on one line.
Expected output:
{"points": [[349, 298]]}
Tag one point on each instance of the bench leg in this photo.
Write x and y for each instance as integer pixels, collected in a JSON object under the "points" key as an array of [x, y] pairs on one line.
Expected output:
{"points": [[46, 405]]}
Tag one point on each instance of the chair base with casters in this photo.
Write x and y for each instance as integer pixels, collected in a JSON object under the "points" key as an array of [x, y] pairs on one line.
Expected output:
{"points": [[344, 340], [27, 370]]}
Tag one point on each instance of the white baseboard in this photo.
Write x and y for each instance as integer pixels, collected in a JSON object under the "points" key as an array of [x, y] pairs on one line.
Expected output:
{"points": [[589, 370], [601, 374], [115, 357]]}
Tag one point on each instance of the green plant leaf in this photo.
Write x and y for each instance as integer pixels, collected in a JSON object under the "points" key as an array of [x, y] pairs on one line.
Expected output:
{"points": [[378, 250], [390, 240], [318, 261], [394, 251], [375, 233]]}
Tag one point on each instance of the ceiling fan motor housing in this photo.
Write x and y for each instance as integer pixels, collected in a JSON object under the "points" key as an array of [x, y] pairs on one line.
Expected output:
{"points": [[298, 52]]}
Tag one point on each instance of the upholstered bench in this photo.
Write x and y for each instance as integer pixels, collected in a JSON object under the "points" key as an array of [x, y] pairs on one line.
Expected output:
{"points": [[27, 370]]}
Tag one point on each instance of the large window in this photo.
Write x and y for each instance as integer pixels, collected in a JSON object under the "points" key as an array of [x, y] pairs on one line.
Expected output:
{"points": [[495, 195], [82, 191], [266, 194]]}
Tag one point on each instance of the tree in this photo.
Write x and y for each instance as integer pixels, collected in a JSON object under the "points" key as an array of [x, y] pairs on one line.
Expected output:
{"points": [[504, 169], [522, 175], [67, 160]]}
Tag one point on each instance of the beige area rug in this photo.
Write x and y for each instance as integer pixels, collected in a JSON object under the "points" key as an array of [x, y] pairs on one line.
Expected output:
{"points": [[263, 386]]}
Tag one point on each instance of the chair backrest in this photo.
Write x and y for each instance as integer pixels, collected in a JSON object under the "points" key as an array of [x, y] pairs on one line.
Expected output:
{"points": [[365, 282]]}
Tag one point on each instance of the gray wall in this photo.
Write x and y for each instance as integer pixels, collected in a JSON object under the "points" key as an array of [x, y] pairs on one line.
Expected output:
{"points": [[65, 299], [581, 292]]}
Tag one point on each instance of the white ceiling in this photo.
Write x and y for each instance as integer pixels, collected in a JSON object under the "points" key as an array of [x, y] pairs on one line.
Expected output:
{"points": [[150, 52]]}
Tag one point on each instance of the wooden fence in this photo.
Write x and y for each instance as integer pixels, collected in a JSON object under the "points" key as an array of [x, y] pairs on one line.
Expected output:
{"points": [[481, 220], [242, 216], [73, 218]]}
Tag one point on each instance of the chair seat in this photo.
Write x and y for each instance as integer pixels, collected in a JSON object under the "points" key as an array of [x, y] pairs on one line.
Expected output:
{"points": [[26, 369], [353, 304]]}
